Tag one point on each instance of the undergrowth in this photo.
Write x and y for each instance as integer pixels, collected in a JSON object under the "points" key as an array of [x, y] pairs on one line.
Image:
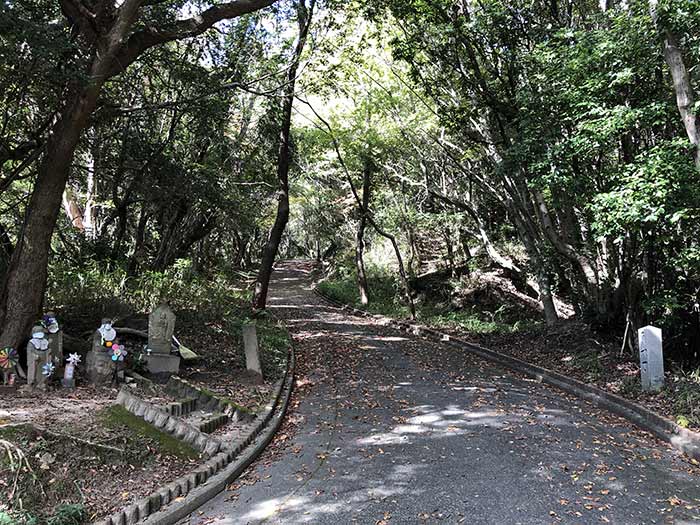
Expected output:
{"points": [[385, 299]]}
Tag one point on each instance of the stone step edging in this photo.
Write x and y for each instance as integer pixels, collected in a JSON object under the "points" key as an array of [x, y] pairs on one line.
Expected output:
{"points": [[162, 420], [172, 502], [182, 407], [205, 400], [682, 439]]}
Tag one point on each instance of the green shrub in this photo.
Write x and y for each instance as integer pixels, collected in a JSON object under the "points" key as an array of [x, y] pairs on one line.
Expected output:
{"points": [[69, 514], [687, 403]]}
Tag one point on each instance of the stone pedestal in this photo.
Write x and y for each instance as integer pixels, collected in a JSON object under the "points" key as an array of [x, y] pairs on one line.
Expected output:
{"points": [[68, 380], [252, 351], [163, 363], [37, 357]]}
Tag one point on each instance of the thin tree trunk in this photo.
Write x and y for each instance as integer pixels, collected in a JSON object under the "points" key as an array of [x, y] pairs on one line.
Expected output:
{"points": [[402, 270], [262, 284], [364, 209], [450, 251], [464, 241], [685, 98], [360, 240]]}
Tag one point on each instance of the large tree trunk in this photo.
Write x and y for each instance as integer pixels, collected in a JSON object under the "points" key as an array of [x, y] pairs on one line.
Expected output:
{"points": [[283, 161], [23, 287]]}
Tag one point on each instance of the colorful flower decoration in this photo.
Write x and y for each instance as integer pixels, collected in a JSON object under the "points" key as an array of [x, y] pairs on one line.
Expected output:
{"points": [[48, 369], [118, 352], [73, 359], [8, 358]]}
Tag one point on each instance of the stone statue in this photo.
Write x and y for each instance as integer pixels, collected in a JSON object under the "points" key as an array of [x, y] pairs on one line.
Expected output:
{"points": [[39, 363], [99, 360], [161, 327], [55, 338]]}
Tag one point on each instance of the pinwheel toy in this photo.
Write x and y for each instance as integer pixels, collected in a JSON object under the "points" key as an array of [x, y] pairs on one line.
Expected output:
{"points": [[48, 369], [73, 359], [118, 352], [8, 358]]}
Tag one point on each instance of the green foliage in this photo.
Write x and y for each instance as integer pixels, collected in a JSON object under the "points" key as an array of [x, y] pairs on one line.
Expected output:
{"points": [[384, 299], [69, 514], [631, 386], [590, 363], [108, 292], [19, 518], [687, 404]]}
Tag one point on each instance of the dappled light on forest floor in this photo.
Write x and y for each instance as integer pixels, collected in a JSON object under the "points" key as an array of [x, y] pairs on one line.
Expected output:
{"points": [[398, 429]]}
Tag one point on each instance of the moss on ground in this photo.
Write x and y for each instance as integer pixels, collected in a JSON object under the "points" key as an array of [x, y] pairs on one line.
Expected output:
{"points": [[117, 416]]}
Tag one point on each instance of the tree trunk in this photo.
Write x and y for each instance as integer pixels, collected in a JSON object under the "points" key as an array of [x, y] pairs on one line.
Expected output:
{"points": [[685, 99], [360, 262], [138, 254], [360, 241], [464, 241], [283, 161], [551, 317], [402, 270], [450, 250], [23, 287], [364, 209], [24, 284]]}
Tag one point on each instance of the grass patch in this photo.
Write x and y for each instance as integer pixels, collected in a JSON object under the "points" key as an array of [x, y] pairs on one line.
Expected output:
{"points": [[385, 300], [117, 416], [687, 404], [590, 363]]}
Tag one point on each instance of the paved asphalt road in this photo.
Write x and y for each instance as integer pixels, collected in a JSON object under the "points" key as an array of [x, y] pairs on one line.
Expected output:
{"points": [[385, 429]]}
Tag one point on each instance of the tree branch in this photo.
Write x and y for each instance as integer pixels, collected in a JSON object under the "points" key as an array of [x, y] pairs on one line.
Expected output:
{"points": [[147, 38]]}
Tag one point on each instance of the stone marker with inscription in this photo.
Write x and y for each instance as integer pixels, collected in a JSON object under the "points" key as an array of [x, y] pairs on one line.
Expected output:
{"points": [[161, 326], [252, 352], [651, 358]]}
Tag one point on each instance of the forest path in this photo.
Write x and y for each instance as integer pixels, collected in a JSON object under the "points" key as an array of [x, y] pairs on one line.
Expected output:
{"points": [[386, 429]]}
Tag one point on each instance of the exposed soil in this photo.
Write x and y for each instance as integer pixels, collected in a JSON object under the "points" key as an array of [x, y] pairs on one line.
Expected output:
{"points": [[113, 463]]}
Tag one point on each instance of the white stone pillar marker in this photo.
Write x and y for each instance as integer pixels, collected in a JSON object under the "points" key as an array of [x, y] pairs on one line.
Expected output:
{"points": [[252, 353], [651, 358]]}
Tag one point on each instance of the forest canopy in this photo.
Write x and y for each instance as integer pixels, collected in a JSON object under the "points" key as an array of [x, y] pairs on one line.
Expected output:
{"points": [[553, 142]]}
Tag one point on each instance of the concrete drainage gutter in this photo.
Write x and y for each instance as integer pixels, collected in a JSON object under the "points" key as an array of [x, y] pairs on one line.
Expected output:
{"points": [[665, 429], [173, 502]]}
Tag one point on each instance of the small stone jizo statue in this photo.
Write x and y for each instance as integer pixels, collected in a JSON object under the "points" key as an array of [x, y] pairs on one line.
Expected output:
{"points": [[38, 359], [99, 361]]}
